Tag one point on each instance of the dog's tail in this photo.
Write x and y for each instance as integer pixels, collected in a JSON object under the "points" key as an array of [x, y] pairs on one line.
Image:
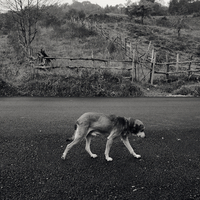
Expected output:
{"points": [[72, 138]]}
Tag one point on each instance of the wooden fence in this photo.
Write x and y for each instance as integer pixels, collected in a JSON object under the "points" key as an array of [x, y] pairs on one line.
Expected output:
{"points": [[142, 66], [136, 64]]}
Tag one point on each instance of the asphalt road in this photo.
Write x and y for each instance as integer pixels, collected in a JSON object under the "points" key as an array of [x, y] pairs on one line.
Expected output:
{"points": [[23, 116], [32, 138]]}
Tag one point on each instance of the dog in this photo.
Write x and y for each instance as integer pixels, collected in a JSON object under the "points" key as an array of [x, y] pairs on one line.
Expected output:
{"points": [[92, 124]]}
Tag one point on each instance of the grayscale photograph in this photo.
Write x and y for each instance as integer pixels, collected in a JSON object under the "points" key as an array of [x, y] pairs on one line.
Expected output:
{"points": [[100, 99]]}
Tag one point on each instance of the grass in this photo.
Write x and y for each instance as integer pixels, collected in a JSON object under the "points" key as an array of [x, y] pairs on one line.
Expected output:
{"points": [[68, 40]]}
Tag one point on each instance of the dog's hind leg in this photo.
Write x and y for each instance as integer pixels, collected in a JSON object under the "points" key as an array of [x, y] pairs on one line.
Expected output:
{"points": [[78, 136], [128, 146], [69, 146], [87, 146]]}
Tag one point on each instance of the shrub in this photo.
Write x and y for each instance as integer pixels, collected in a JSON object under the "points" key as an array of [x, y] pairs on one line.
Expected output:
{"points": [[163, 22], [189, 90], [198, 51], [88, 84], [197, 14], [7, 89], [71, 30]]}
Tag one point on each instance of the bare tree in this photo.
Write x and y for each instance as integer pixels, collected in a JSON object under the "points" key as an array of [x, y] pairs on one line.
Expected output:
{"points": [[25, 14]]}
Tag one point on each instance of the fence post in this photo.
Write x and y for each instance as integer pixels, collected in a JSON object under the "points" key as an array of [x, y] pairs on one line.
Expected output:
{"points": [[152, 56], [146, 54], [189, 67], [131, 48], [167, 74], [177, 62], [153, 68], [93, 60], [133, 66], [125, 44]]}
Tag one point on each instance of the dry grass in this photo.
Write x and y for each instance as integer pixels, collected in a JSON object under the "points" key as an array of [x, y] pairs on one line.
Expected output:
{"points": [[71, 41]]}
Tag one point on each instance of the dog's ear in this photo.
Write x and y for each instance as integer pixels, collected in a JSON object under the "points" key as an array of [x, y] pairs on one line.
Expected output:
{"points": [[121, 121], [125, 127], [131, 125], [131, 122]]}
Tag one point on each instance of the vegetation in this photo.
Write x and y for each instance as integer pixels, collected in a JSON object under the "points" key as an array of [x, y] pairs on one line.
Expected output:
{"points": [[55, 29], [87, 84]]}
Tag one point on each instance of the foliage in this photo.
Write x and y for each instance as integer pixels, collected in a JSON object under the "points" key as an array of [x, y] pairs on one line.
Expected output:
{"points": [[86, 6], [50, 20], [183, 7], [198, 51], [143, 9], [87, 84], [188, 90], [25, 18], [163, 21], [6, 23], [59, 41], [74, 14], [71, 30], [7, 89], [179, 84]]}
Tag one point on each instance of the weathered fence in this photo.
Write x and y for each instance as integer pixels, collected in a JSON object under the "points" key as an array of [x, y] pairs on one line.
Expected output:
{"points": [[140, 64], [132, 53], [137, 66], [189, 71]]}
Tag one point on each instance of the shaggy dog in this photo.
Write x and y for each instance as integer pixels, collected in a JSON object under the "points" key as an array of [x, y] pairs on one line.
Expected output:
{"points": [[92, 124]]}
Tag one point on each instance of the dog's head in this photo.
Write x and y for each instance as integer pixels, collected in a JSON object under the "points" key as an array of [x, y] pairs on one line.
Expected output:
{"points": [[136, 127]]}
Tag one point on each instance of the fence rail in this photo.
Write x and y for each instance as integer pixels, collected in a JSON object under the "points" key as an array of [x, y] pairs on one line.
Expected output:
{"points": [[138, 61]]}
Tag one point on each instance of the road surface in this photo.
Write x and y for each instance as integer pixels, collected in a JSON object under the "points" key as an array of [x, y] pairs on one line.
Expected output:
{"points": [[32, 138]]}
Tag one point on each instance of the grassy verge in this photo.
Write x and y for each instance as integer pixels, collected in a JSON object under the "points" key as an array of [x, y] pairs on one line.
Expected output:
{"points": [[88, 84], [104, 84]]}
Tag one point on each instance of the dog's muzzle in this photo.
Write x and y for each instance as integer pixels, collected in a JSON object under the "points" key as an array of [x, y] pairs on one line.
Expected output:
{"points": [[141, 134]]}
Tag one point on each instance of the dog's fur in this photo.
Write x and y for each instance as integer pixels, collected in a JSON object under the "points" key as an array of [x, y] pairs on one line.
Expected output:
{"points": [[91, 124]]}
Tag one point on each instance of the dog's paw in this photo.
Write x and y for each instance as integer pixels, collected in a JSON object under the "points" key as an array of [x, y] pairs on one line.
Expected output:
{"points": [[109, 159], [137, 156], [63, 157], [94, 155]]}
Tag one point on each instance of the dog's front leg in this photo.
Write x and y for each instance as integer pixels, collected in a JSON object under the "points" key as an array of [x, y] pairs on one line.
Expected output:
{"points": [[128, 146], [87, 146], [108, 146]]}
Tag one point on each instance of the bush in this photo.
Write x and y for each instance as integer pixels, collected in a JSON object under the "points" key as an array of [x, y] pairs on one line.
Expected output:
{"points": [[198, 51], [189, 90], [7, 89], [164, 22], [88, 84], [197, 14], [71, 30]]}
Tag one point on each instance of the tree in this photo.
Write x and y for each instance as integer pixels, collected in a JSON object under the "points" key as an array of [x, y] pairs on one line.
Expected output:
{"points": [[25, 15], [81, 15], [173, 6], [143, 9], [179, 7]]}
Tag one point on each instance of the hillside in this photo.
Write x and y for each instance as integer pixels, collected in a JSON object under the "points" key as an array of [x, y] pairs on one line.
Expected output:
{"points": [[72, 40]]}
